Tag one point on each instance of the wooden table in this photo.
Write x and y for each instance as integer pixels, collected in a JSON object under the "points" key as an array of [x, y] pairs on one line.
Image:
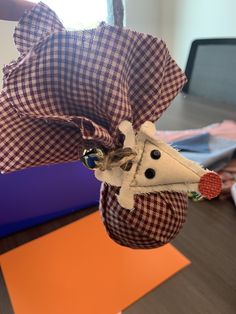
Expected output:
{"points": [[208, 285]]}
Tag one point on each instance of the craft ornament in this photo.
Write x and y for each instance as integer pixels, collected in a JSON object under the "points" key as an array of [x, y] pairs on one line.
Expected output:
{"points": [[155, 167], [77, 98]]}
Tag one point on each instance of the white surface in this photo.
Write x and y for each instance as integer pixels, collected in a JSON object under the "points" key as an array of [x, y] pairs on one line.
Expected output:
{"points": [[185, 20], [179, 22], [79, 14], [143, 16], [8, 49]]}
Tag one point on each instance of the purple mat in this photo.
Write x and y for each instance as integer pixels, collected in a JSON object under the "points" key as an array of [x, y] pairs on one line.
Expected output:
{"points": [[36, 195]]}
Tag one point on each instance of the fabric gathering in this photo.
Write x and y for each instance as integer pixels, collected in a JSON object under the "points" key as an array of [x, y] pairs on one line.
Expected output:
{"points": [[70, 90]]}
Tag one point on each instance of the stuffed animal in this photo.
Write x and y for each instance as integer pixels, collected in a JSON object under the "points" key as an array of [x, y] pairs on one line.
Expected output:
{"points": [[69, 91], [154, 166]]}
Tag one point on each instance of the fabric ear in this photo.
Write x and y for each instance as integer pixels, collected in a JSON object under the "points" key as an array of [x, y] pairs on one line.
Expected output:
{"points": [[127, 129], [47, 23]]}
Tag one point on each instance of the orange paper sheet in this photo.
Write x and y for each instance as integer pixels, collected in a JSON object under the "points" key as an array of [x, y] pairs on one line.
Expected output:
{"points": [[79, 270]]}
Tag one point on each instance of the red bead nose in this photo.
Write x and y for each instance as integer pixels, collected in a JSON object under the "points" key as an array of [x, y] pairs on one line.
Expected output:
{"points": [[210, 185]]}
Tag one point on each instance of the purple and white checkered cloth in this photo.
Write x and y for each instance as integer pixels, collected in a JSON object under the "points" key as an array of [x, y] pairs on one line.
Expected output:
{"points": [[70, 90]]}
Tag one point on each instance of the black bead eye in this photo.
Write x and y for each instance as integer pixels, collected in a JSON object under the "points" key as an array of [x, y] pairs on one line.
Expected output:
{"points": [[150, 173], [155, 154]]}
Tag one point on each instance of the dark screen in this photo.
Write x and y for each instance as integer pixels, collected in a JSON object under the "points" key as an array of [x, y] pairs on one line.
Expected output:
{"points": [[214, 73]]}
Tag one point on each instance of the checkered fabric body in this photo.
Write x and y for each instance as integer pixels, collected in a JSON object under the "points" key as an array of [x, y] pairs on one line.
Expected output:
{"points": [[70, 90], [155, 220]]}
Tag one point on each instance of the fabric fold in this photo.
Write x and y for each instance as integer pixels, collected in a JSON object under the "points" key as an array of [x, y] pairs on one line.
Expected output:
{"points": [[70, 90], [105, 75], [34, 25]]}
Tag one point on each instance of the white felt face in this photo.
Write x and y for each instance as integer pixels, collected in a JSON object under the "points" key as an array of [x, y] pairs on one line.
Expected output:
{"points": [[158, 167]]}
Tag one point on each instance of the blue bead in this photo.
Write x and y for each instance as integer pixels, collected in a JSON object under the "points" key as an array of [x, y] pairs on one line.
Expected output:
{"points": [[91, 161]]}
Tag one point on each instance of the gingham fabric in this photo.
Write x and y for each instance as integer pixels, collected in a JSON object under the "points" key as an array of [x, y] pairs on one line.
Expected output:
{"points": [[156, 219], [70, 90]]}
